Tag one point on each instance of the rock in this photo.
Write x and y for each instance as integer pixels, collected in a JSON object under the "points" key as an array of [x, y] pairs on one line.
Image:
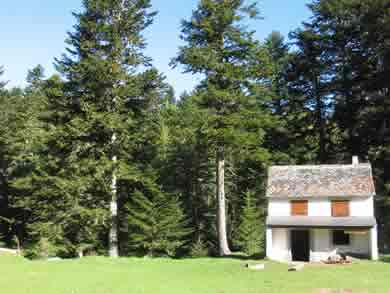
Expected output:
{"points": [[295, 266], [335, 258], [348, 259], [6, 251], [256, 267], [54, 259]]}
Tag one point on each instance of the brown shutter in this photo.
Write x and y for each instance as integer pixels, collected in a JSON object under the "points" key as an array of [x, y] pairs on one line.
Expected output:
{"points": [[299, 208], [340, 208]]}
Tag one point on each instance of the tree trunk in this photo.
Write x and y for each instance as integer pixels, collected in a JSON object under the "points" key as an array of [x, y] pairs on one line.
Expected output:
{"points": [[113, 234], [221, 216]]}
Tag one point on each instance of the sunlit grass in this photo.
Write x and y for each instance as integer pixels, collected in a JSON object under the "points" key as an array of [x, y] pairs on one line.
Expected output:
{"points": [[133, 275]]}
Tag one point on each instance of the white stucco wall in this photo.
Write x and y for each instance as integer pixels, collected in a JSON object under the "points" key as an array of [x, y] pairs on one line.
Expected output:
{"points": [[374, 243], [278, 207], [319, 207], [362, 207]]}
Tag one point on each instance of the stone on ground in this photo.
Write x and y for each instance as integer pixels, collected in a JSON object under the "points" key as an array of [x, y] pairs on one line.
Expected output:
{"points": [[255, 266], [295, 266]]}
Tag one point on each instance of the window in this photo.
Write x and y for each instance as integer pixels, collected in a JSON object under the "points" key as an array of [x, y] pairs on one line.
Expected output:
{"points": [[340, 238], [340, 208], [299, 208]]}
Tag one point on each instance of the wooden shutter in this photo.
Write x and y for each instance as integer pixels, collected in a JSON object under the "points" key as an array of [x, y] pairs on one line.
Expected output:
{"points": [[340, 208], [299, 208]]}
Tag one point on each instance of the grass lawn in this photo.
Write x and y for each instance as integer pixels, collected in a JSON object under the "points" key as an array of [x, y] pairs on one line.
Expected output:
{"points": [[133, 275]]}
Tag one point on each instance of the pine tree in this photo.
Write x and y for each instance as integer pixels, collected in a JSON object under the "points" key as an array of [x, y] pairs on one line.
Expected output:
{"points": [[219, 47], [250, 234]]}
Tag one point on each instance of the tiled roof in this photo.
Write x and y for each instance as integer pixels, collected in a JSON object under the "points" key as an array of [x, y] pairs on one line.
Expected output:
{"points": [[331, 222], [320, 181]]}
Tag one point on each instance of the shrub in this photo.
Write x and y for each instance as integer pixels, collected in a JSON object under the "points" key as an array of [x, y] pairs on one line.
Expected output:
{"points": [[199, 249]]}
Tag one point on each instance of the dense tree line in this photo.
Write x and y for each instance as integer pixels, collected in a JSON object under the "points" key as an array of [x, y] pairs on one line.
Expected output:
{"points": [[103, 158]]}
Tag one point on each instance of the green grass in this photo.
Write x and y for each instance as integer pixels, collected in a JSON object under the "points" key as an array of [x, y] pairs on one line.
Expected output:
{"points": [[134, 275]]}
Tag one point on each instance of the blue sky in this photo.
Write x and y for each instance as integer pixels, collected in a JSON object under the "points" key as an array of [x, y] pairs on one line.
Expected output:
{"points": [[33, 32]]}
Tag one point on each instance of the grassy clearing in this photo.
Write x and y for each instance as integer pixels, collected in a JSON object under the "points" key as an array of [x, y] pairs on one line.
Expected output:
{"points": [[132, 275]]}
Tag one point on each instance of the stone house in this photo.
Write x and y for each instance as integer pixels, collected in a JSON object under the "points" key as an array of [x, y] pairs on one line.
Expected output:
{"points": [[318, 211]]}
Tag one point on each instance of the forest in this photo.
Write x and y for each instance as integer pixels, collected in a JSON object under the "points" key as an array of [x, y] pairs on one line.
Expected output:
{"points": [[104, 158]]}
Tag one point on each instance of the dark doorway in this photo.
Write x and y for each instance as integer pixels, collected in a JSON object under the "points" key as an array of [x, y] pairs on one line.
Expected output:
{"points": [[300, 245]]}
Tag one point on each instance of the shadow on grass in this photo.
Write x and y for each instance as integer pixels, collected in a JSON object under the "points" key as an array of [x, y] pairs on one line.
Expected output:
{"points": [[385, 258], [233, 256], [242, 256]]}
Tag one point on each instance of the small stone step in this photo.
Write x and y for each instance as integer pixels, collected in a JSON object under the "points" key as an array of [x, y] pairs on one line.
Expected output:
{"points": [[256, 267], [296, 266]]}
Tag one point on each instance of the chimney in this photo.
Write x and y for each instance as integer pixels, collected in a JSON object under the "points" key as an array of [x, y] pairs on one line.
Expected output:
{"points": [[355, 160]]}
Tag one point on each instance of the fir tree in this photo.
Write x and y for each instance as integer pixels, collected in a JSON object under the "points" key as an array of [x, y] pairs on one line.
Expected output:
{"points": [[2, 83], [250, 234], [5, 108], [356, 38], [187, 166], [158, 224], [219, 47], [308, 79], [22, 139], [105, 91]]}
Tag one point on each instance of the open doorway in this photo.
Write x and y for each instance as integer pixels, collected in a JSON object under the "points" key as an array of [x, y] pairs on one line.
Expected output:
{"points": [[300, 245]]}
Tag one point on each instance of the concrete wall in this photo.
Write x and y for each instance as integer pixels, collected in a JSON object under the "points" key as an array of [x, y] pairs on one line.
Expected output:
{"points": [[322, 207], [320, 244]]}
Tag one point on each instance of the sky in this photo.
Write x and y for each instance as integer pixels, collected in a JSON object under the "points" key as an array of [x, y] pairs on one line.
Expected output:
{"points": [[32, 32]]}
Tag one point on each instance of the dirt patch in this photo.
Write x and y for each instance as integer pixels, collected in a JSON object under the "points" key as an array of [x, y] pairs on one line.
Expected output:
{"points": [[325, 265]]}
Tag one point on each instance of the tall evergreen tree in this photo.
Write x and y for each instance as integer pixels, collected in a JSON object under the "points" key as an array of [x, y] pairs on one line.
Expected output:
{"points": [[308, 78], [356, 38], [104, 90], [219, 47], [278, 52], [22, 138], [3, 161], [187, 166], [287, 140]]}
